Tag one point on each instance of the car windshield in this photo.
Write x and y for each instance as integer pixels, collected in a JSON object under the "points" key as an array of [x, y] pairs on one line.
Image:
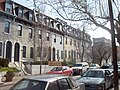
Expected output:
{"points": [[96, 74], [78, 65], [57, 69], [26, 84]]}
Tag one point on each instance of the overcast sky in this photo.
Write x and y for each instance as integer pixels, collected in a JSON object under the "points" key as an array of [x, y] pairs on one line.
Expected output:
{"points": [[96, 34]]}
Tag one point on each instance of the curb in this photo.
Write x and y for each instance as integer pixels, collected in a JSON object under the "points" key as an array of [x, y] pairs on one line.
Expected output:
{"points": [[6, 84]]}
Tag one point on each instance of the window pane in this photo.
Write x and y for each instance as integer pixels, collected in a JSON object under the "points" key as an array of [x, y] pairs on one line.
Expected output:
{"points": [[20, 12], [53, 86], [30, 33], [31, 52], [19, 30], [0, 48], [24, 51], [64, 85], [7, 27], [8, 7], [30, 85], [61, 54]]}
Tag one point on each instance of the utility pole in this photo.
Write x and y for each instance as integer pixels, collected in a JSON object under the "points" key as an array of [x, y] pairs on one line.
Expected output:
{"points": [[114, 48]]}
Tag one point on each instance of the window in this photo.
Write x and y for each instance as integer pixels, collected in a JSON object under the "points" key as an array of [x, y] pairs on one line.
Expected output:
{"points": [[31, 52], [20, 12], [69, 54], [61, 54], [8, 7], [24, 52], [78, 44], [0, 48], [60, 39], [26, 84], [52, 24], [53, 86], [30, 16], [65, 53], [48, 35], [66, 40], [74, 42], [30, 32], [7, 26], [58, 55], [54, 38], [63, 83], [70, 41], [58, 26], [39, 34], [19, 30]]}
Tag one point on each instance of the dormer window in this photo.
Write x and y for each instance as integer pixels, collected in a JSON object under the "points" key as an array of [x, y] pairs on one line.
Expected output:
{"points": [[20, 12], [52, 24], [8, 7], [58, 26], [30, 16]]}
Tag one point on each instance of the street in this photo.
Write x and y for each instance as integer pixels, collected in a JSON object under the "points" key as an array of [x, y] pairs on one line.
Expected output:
{"points": [[7, 87]]}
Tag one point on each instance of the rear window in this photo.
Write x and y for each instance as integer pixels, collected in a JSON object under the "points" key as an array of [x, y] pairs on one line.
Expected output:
{"points": [[26, 84], [57, 69], [78, 65]]}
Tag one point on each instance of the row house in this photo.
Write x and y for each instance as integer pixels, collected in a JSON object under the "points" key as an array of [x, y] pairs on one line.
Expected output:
{"points": [[73, 39], [26, 35]]}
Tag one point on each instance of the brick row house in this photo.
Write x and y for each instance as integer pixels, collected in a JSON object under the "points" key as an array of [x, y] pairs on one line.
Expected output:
{"points": [[23, 31]]}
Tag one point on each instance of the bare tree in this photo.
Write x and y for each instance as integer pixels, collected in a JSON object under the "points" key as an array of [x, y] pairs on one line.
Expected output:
{"points": [[101, 52], [92, 12]]}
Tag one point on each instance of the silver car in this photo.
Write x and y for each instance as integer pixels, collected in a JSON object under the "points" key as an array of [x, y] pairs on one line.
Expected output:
{"points": [[48, 82], [96, 79]]}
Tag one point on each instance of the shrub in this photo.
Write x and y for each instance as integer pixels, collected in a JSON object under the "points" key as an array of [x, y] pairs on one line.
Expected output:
{"points": [[6, 69], [9, 76], [4, 62]]}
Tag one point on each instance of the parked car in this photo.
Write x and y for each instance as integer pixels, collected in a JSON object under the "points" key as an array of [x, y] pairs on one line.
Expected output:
{"points": [[93, 66], [107, 66], [48, 82], [96, 79], [61, 70], [80, 68]]}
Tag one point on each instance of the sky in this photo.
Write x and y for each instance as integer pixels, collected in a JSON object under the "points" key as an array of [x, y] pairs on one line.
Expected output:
{"points": [[99, 32]]}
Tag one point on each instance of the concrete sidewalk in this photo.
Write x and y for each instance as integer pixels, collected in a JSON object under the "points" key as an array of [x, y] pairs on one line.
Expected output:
{"points": [[15, 79]]}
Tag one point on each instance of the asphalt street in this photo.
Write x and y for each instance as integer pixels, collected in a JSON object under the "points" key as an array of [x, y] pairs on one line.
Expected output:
{"points": [[6, 86]]}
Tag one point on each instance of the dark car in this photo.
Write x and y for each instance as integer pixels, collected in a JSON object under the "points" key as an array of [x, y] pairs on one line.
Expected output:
{"points": [[48, 82], [96, 79]]}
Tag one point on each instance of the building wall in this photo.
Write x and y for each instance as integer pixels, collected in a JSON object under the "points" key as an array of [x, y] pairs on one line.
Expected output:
{"points": [[51, 26]]}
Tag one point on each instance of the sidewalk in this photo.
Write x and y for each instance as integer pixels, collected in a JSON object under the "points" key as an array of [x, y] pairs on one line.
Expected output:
{"points": [[15, 79]]}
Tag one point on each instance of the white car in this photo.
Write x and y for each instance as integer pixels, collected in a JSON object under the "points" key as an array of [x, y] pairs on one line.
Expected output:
{"points": [[94, 66], [80, 68], [48, 82]]}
